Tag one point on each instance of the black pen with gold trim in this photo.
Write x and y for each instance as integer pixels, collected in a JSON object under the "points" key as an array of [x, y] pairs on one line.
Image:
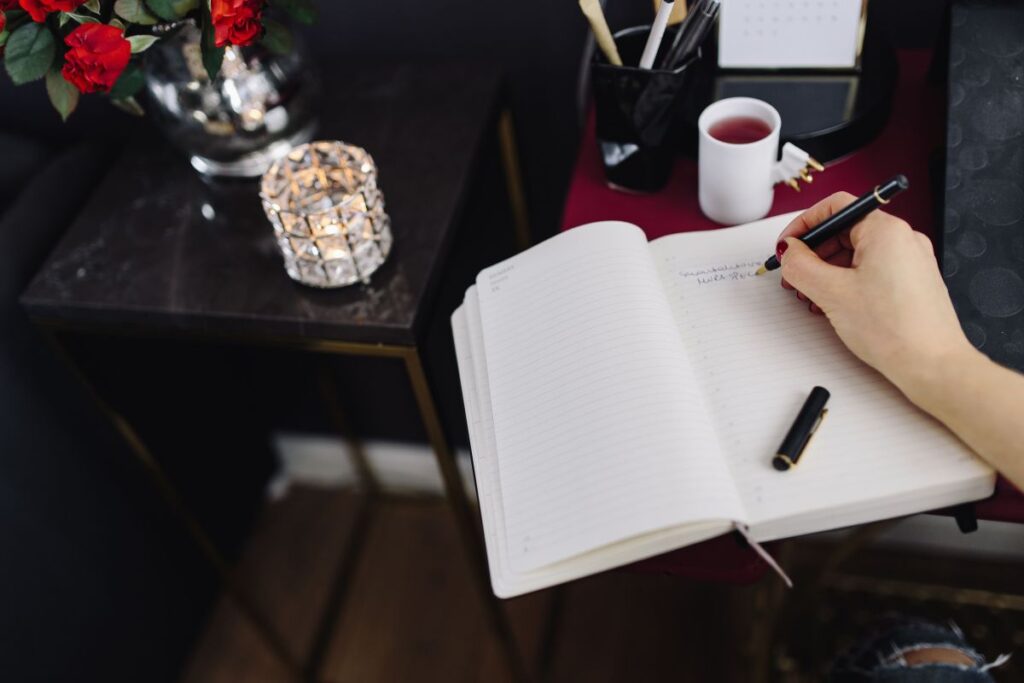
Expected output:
{"points": [[846, 218]]}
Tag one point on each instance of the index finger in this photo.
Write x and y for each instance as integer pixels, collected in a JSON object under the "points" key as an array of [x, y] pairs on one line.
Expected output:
{"points": [[816, 214]]}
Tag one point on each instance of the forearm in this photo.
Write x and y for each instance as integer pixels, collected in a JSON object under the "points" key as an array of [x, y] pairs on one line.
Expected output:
{"points": [[980, 401]]}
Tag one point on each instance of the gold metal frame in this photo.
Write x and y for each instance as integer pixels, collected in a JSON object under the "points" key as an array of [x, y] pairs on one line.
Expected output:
{"points": [[455, 490], [513, 178], [454, 487]]}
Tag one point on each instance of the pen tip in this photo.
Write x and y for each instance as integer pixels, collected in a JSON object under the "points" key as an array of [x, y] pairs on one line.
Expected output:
{"points": [[761, 271]]}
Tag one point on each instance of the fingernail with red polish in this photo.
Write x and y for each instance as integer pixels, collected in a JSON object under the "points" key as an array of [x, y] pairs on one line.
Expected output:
{"points": [[781, 248]]}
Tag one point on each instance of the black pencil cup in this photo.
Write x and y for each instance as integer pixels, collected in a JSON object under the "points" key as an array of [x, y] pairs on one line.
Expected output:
{"points": [[635, 112]]}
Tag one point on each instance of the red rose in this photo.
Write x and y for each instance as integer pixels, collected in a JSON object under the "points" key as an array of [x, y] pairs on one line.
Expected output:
{"points": [[236, 22], [96, 56], [4, 6], [38, 9]]}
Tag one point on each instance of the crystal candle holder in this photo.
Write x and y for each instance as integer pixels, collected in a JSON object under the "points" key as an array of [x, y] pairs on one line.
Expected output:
{"points": [[328, 214]]}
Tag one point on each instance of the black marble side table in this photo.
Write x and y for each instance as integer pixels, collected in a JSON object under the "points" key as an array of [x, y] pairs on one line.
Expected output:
{"points": [[160, 252]]}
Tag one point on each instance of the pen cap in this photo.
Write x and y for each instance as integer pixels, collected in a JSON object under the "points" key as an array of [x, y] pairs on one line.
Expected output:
{"points": [[636, 113], [807, 420], [893, 186]]}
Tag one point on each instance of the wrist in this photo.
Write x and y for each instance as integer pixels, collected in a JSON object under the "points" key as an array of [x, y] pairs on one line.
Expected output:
{"points": [[929, 380]]}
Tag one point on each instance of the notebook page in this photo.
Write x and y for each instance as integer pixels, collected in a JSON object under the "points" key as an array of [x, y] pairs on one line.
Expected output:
{"points": [[504, 580], [480, 422], [599, 427], [757, 352]]}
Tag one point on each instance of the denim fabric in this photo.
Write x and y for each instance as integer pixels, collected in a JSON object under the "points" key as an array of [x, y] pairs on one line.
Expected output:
{"points": [[877, 658]]}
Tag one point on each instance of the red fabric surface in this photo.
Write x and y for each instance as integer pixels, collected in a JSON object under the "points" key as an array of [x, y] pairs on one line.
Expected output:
{"points": [[904, 145], [913, 132]]}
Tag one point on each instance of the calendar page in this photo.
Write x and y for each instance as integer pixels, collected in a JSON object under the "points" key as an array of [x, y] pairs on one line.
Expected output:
{"points": [[788, 34]]}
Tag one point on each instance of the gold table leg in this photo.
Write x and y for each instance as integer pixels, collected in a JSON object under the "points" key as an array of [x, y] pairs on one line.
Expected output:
{"points": [[334, 606], [171, 496], [455, 491], [514, 178]]}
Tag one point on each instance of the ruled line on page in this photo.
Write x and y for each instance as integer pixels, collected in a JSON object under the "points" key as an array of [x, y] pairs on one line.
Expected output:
{"points": [[599, 427], [757, 351]]}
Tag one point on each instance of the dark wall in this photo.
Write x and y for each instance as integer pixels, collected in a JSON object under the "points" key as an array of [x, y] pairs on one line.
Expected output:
{"points": [[538, 42]]}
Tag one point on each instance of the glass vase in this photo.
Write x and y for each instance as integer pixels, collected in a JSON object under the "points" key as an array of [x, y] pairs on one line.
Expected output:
{"points": [[260, 105]]}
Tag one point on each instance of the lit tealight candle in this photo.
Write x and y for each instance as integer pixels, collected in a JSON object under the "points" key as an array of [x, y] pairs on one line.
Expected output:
{"points": [[328, 214]]}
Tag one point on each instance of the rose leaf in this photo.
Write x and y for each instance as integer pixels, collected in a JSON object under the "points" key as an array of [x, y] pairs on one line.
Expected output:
{"points": [[130, 105], [29, 53], [80, 18], [300, 10], [128, 84], [213, 56], [142, 43], [134, 12], [63, 95], [162, 8], [276, 37], [183, 7]]}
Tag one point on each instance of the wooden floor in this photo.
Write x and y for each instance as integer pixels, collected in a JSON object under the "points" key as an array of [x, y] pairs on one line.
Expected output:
{"points": [[411, 614]]}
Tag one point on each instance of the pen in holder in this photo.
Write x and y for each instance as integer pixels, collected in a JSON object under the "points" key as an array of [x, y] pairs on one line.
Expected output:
{"points": [[635, 110]]}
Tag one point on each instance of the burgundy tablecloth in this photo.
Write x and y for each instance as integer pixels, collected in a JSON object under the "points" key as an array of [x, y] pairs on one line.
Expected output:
{"points": [[911, 137]]}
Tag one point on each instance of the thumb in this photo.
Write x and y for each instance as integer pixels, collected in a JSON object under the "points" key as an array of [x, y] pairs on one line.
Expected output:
{"points": [[809, 274]]}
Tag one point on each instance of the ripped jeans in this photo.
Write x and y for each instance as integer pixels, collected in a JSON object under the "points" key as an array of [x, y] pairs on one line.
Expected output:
{"points": [[883, 657]]}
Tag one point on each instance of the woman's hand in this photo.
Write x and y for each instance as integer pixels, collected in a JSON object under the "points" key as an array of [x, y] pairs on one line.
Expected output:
{"points": [[879, 285]]}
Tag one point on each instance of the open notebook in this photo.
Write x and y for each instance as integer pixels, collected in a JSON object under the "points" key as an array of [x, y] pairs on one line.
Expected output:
{"points": [[625, 398]]}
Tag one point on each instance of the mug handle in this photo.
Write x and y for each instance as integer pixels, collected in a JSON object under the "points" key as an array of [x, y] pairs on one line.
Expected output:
{"points": [[795, 165]]}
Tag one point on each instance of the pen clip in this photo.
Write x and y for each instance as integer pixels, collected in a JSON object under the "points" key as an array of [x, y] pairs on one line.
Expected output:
{"points": [[814, 430]]}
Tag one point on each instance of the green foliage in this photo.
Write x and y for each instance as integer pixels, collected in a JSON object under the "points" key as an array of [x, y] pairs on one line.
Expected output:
{"points": [[276, 37], [29, 53], [213, 56], [134, 12], [63, 95], [80, 18], [130, 105], [32, 51], [183, 7], [171, 9], [162, 8], [128, 84], [142, 43], [300, 10]]}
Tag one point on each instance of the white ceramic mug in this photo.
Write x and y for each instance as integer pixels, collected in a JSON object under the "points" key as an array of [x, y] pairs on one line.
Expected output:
{"points": [[736, 181]]}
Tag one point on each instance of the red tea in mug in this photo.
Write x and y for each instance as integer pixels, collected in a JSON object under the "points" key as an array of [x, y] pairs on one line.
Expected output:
{"points": [[740, 130]]}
